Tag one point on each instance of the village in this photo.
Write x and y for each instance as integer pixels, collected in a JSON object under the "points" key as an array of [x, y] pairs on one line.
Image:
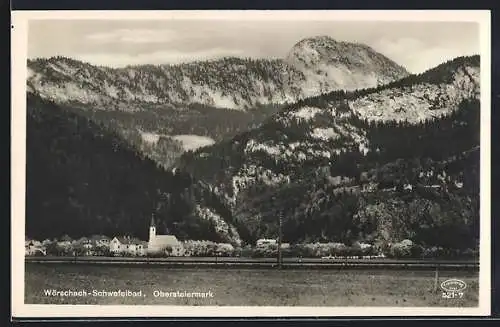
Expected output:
{"points": [[127, 246], [157, 246], [170, 246], [124, 246], [101, 245]]}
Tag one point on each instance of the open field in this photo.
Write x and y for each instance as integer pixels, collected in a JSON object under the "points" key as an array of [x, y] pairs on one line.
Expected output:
{"points": [[253, 287]]}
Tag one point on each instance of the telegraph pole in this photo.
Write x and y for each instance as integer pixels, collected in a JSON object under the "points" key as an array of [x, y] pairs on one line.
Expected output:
{"points": [[280, 224]]}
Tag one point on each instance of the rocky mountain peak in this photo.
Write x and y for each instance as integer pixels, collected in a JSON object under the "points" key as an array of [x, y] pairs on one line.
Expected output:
{"points": [[328, 64]]}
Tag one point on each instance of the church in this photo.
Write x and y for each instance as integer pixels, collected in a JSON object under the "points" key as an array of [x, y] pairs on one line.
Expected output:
{"points": [[163, 243]]}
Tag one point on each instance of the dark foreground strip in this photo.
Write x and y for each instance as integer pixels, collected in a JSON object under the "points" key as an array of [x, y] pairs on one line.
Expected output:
{"points": [[256, 264]]}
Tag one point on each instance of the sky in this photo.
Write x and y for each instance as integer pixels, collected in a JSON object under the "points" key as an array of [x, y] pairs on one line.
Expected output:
{"points": [[417, 46]]}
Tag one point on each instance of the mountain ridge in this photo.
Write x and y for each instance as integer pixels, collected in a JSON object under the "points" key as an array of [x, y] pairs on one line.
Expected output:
{"points": [[229, 82]]}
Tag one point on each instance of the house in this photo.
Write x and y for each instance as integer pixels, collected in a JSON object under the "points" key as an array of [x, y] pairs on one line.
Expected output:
{"points": [[285, 245], [34, 247], [84, 246], [142, 248], [46, 242], [265, 242], [100, 245], [100, 240], [33, 250], [168, 244], [64, 242], [127, 246], [85, 242], [27, 242], [408, 187], [63, 246], [115, 245], [30, 242]]}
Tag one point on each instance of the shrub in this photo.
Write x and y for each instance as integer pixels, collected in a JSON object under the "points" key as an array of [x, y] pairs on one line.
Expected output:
{"points": [[402, 249], [265, 251]]}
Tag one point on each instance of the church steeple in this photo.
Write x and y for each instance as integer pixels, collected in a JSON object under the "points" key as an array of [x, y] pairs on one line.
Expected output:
{"points": [[152, 230]]}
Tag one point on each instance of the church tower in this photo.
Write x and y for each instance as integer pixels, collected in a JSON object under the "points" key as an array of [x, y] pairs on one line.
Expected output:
{"points": [[152, 230]]}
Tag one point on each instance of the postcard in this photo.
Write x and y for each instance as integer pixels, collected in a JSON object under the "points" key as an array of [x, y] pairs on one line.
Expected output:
{"points": [[250, 163]]}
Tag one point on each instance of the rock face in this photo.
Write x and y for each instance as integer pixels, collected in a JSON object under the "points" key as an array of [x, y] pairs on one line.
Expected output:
{"points": [[313, 66], [327, 125], [420, 101], [329, 65]]}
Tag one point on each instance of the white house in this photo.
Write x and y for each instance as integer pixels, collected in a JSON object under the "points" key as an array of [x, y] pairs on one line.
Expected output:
{"points": [[33, 250], [408, 187], [285, 245], [65, 242], [164, 243], [142, 248], [116, 245], [100, 240], [127, 245], [34, 247], [30, 242], [266, 241], [85, 244], [46, 242]]}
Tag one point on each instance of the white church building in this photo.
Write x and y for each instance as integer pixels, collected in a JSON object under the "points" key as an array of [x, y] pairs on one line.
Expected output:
{"points": [[164, 243]]}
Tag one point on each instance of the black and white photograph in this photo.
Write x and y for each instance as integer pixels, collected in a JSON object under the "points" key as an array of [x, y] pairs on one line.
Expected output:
{"points": [[307, 163]]}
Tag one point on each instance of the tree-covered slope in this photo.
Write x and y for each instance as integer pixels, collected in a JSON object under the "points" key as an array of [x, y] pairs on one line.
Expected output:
{"points": [[379, 165], [83, 179]]}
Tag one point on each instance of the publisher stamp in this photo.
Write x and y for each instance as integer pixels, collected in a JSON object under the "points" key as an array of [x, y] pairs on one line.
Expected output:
{"points": [[453, 289]]}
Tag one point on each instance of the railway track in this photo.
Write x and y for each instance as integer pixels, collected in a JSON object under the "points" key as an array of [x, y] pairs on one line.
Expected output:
{"points": [[287, 263]]}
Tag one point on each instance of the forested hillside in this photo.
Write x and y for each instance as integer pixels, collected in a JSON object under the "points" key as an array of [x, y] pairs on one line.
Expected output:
{"points": [[155, 130], [337, 172], [84, 179]]}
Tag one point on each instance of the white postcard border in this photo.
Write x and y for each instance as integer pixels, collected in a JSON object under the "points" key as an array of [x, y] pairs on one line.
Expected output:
{"points": [[19, 44]]}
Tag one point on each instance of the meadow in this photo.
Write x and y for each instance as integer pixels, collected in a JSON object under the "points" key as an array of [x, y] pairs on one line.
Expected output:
{"points": [[246, 287]]}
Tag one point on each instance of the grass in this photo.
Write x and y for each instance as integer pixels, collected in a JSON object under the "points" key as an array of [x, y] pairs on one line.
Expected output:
{"points": [[247, 287]]}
